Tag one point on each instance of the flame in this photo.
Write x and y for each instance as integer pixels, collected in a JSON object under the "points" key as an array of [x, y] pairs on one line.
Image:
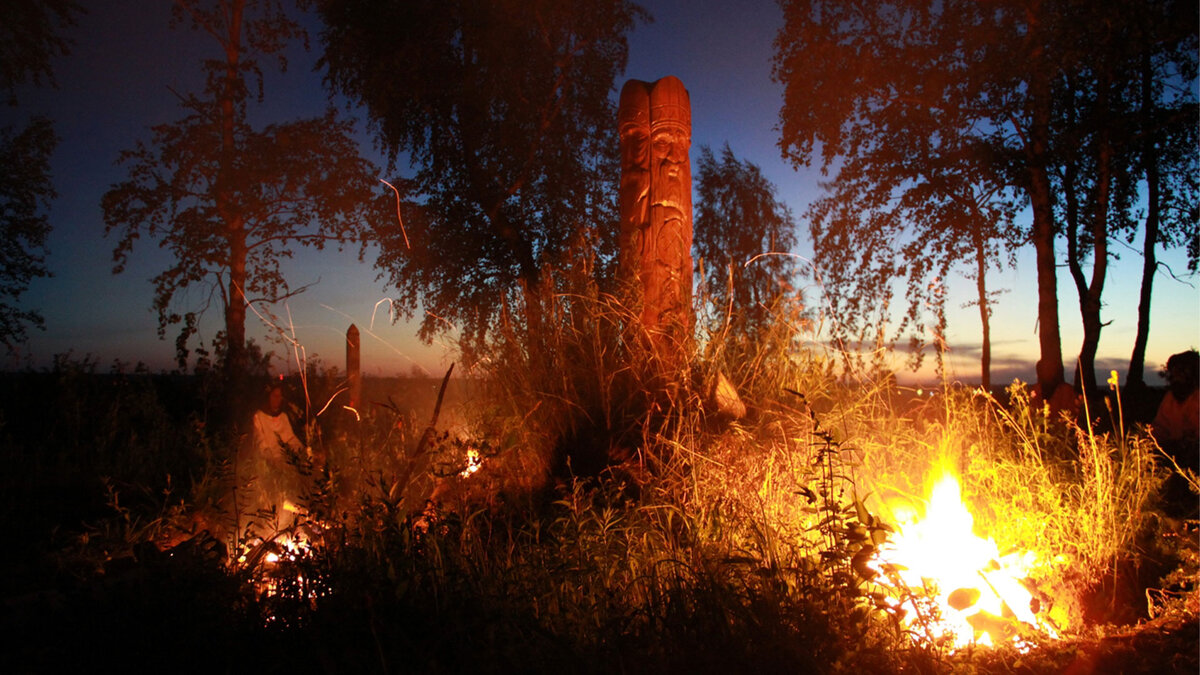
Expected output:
{"points": [[268, 572], [983, 597], [474, 461]]}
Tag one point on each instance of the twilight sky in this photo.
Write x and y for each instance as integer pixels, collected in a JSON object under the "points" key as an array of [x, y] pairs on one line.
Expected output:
{"points": [[117, 83]]}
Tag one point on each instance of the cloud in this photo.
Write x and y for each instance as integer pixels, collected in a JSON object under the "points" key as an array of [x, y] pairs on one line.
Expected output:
{"points": [[963, 363]]}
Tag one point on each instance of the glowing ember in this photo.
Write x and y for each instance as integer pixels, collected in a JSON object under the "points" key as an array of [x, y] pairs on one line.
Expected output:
{"points": [[266, 556], [980, 594], [275, 572], [474, 461]]}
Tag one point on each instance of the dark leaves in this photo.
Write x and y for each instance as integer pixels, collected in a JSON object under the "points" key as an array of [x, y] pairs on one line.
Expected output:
{"points": [[925, 111], [503, 109], [230, 200], [25, 195], [737, 219], [30, 36]]}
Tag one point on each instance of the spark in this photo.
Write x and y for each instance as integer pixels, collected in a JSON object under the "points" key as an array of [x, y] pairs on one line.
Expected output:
{"points": [[442, 319], [402, 230], [372, 334], [391, 310], [330, 401]]}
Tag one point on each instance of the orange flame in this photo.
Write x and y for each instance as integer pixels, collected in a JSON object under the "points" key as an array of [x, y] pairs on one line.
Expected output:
{"points": [[474, 461], [982, 596]]}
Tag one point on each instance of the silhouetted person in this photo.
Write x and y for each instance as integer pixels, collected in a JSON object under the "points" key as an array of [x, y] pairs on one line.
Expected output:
{"points": [[1176, 428], [1177, 424]]}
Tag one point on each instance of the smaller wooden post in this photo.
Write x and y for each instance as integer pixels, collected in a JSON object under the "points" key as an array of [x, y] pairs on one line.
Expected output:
{"points": [[353, 366]]}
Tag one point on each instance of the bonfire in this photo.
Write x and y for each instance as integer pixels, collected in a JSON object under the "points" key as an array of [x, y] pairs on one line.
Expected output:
{"points": [[978, 594]]}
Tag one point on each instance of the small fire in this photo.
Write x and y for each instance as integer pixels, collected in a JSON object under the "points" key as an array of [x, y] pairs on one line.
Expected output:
{"points": [[982, 596], [273, 564], [291, 548], [474, 461], [266, 555]]}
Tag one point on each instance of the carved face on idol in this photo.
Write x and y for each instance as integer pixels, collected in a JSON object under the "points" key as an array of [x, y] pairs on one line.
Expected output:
{"points": [[633, 116], [669, 146], [635, 144], [635, 153]]}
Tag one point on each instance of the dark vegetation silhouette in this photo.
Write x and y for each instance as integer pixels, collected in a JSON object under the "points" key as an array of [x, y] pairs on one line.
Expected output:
{"points": [[1049, 103], [567, 510], [502, 109], [743, 240], [230, 199], [30, 39]]}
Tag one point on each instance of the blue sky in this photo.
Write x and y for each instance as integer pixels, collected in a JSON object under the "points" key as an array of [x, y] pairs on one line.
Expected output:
{"points": [[115, 85]]}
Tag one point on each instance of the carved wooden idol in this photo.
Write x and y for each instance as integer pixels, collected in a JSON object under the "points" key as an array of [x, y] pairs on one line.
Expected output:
{"points": [[655, 124], [633, 125]]}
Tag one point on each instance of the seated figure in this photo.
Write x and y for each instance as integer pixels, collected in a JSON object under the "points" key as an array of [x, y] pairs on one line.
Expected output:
{"points": [[1177, 425], [272, 479]]}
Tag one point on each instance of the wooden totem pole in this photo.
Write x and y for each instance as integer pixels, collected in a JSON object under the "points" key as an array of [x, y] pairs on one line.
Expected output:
{"points": [[655, 125], [354, 366]]}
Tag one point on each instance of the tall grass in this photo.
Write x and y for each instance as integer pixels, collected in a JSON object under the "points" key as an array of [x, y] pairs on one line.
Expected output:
{"points": [[779, 490], [623, 522]]}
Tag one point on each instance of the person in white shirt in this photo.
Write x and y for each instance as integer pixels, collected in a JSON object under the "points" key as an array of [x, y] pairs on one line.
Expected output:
{"points": [[271, 474], [272, 428]]}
